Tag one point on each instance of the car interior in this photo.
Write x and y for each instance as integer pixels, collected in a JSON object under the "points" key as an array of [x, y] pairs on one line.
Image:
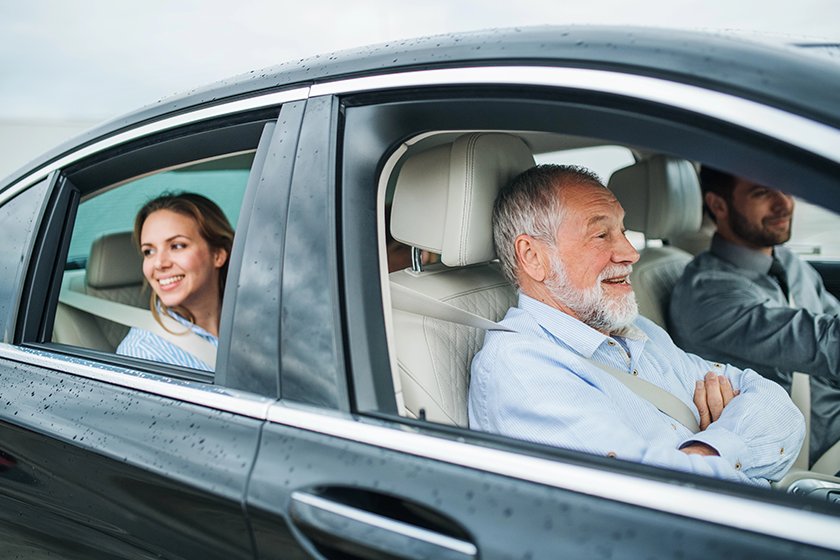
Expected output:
{"points": [[441, 187]]}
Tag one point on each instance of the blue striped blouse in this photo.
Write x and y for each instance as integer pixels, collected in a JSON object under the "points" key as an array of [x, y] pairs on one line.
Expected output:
{"points": [[139, 343]]}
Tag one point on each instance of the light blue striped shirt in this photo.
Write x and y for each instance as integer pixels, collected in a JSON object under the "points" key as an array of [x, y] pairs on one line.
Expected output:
{"points": [[139, 343], [533, 385]]}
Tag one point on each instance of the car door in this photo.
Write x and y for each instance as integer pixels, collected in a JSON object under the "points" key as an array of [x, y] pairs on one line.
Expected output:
{"points": [[340, 474], [105, 456]]}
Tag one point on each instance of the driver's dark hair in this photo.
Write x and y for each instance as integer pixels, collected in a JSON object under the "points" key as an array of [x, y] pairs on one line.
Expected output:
{"points": [[719, 182]]}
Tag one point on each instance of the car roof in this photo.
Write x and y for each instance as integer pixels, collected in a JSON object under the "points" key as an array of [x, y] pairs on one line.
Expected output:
{"points": [[776, 72]]}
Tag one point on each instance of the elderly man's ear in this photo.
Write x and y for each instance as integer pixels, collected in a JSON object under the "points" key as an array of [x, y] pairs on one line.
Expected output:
{"points": [[532, 258]]}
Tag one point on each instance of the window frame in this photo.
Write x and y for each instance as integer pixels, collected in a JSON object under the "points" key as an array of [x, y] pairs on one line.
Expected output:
{"points": [[378, 123], [141, 155]]}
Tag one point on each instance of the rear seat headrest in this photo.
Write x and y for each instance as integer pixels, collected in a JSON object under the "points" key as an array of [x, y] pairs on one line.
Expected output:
{"points": [[114, 262], [443, 201], [660, 196]]}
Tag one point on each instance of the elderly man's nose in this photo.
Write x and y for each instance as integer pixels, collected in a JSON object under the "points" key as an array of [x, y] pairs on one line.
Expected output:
{"points": [[625, 252], [782, 200]]}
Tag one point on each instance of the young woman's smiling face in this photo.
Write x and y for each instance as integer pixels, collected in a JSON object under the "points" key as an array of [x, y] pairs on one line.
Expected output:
{"points": [[178, 262]]}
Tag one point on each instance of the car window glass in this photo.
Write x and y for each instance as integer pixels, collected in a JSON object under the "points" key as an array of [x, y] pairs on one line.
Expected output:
{"points": [[17, 222], [116, 275], [814, 232]]}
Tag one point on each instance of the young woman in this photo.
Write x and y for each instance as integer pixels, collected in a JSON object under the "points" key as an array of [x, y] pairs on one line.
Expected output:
{"points": [[185, 240]]}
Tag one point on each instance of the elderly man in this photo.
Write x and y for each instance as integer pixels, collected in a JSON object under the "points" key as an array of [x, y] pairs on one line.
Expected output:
{"points": [[560, 237], [755, 304]]}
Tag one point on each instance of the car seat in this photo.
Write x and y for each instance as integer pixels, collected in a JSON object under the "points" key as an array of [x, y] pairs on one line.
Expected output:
{"points": [[443, 204], [661, 198], [114, 272]]}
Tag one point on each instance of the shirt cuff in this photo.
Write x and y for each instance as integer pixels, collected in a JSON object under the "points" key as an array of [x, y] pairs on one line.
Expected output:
{"points": [[730, 447]]}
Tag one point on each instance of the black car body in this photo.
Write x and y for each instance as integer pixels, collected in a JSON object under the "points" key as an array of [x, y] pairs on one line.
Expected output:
{"points": [[296, 447]]}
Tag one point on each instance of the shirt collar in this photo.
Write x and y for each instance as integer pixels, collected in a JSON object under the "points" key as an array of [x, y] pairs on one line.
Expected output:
{"points": [[740, 256], [577, 335]]}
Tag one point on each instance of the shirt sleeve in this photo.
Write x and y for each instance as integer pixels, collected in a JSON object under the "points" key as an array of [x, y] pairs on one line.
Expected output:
{"points": [[723, 315], [760, 431], [531, 395]]}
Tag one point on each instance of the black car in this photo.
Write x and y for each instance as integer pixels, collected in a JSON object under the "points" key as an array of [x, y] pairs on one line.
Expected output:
{"points": [[334, 425]]}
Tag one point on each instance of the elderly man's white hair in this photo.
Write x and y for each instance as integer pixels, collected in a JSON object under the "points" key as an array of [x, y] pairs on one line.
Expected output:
{"points": [[532, 204]]}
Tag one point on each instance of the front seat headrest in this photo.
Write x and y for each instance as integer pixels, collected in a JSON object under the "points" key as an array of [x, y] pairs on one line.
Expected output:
{"points": [[660, 196], [443, 201], [114, 262]]}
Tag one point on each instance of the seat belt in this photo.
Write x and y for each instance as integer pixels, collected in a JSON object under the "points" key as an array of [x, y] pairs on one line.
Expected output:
{"points": [[412, 301], [131, 316], [800, 394]]}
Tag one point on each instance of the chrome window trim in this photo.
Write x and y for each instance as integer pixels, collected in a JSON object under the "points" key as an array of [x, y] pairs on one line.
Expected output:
{"points": [[210, 396], [158, 126], [741, 513], [794, 129]]}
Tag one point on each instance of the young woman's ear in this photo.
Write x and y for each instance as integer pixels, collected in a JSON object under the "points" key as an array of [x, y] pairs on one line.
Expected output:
{"points": [[220, 258], [531, 258]]}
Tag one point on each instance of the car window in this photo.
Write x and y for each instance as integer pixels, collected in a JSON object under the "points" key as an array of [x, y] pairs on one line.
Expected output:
{"points": [[430, 358], [814, 232], [104, 266]]}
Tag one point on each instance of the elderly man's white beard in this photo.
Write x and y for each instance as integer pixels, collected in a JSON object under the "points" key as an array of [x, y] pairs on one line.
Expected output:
{"points": [[593, 305]]}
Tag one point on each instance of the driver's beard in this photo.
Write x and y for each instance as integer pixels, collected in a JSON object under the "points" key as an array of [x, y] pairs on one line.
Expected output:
{"points": [[593, 305]]}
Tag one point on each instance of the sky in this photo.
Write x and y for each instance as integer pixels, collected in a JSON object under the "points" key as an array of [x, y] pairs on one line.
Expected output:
{"points": [[97, 59]]}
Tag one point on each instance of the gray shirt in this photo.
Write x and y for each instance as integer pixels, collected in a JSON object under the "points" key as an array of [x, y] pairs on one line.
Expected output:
{"points": [[726, 308]]}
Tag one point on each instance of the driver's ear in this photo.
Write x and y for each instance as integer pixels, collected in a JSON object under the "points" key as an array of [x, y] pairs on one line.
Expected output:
{"points": [[717, 205], [532, 258]]}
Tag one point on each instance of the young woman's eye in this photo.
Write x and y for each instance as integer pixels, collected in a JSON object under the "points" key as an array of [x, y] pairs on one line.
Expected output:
{"points": [[178, 245], [148, 252]]}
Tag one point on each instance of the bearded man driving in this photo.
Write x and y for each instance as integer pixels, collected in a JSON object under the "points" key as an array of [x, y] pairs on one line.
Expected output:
{"points": [[560, 238]]}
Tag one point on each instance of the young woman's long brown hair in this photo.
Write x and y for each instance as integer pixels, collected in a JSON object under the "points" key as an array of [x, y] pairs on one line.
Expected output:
{"points": [[212, 224]]}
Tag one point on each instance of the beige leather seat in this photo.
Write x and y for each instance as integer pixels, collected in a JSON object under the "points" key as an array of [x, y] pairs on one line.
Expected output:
{"points": [[661, 198], [114, 272], [443, 203]]}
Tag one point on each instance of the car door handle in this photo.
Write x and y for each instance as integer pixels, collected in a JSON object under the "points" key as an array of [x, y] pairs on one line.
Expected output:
{"points": [[356, 531]]}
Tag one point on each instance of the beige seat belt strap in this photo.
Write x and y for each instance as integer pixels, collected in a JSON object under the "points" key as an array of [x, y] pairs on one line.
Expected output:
{"points": [[142, 319], [412, 301], [800, 394], [658, 397]]}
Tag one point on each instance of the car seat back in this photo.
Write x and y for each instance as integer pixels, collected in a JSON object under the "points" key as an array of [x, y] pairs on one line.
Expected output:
{"points": [[443, 203], [114, 272], [661, 198]]}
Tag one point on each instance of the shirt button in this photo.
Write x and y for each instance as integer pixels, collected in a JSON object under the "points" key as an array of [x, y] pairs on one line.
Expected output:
{"points": [[782, 452], [673, 426], [635, 372], [718, 366], [611, 455], [737, 466], [611, 343]]}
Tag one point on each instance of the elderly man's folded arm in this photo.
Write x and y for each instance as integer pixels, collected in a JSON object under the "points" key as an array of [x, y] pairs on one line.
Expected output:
{"points": [[564, 410]]}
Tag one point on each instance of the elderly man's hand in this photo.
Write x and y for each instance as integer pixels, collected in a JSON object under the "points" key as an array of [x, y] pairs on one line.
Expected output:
{"points": [[711, 397]]}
